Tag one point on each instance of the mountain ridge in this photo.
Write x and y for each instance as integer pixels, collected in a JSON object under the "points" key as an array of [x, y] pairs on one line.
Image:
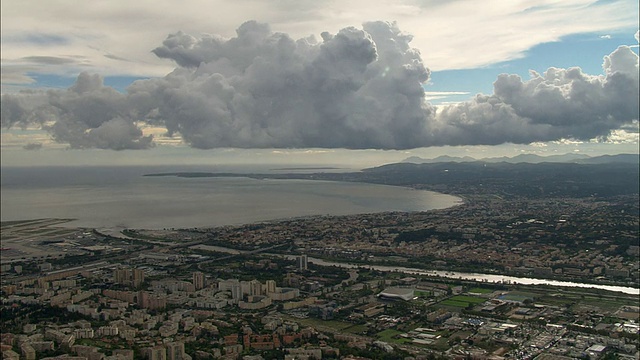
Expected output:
{"points": [[531, 158]]}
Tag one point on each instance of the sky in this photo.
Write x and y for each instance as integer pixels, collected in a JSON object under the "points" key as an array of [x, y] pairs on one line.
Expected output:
{"points": [[323, 82]]}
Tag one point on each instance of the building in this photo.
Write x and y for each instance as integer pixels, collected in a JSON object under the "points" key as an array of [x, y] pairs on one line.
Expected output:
{"points": [[198, 280], [302, 262], [255, 288], [28, 352], [270, 286], [137, 277], [123, 354], [255, 302], [284, 294], [175, 351], [371, 309], [155, 353], [83, 333], [120, 276], [40, 346], [129, 277], [232, 286], [150, 301]]}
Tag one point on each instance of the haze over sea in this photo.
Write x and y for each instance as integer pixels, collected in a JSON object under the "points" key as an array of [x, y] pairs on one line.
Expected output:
{"points": [[108, 197]]}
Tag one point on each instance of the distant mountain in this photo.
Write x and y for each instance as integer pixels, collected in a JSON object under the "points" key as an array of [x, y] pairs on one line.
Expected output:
{"points": [[532, 159], [537, 159], [439, 159], [546, 179], [609, 176], [605, 159]]}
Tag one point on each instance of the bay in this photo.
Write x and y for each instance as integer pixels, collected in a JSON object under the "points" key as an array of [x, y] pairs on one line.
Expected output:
{"points": [[121, 197]]}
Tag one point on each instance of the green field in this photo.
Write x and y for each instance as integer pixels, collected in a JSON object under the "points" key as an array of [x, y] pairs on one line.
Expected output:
{"points": [[517, 296], [356, 329], [453, 303], [480, 291], [554, 301], [332, 324], [462, 301], [388, 334], [606, 303], [469, 299]]}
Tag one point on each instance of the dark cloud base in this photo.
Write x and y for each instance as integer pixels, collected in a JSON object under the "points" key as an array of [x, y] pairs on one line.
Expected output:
{"points": [[357, 89]]}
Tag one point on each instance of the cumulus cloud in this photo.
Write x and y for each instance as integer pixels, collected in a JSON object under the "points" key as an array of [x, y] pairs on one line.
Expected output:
{"points": [[356, 89], [561, 103], [87, 115], [359, 88]]}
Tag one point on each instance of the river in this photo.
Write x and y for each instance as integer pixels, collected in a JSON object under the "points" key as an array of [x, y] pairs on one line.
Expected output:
{"points": [[491, 278]]}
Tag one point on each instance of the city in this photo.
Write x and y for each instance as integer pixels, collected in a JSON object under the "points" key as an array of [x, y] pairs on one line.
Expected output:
{"points": [[308, 180], [268, 290]]}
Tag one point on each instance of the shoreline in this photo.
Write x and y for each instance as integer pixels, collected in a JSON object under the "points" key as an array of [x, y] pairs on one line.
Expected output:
{"points": [[266, 216]]}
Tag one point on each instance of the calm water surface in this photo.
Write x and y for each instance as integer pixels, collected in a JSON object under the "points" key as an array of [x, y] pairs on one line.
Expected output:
{"points": [[121, 197]]}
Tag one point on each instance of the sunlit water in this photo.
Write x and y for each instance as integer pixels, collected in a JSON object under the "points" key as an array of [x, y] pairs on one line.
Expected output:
{"points": [[121, 197]]}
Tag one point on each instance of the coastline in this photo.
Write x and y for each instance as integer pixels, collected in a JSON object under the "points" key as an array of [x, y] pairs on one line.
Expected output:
{"points": [[207, 203]]}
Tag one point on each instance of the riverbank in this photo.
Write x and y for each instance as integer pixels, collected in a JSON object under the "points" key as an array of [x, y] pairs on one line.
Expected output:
{"points": [[478, 277], [491, 278]]}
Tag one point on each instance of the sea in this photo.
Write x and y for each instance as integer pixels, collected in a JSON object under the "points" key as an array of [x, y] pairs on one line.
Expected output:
{"points": [[121, 197]]}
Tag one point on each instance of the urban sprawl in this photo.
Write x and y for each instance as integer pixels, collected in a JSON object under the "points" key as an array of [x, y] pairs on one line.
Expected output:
{"points": [[333, 287]]}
